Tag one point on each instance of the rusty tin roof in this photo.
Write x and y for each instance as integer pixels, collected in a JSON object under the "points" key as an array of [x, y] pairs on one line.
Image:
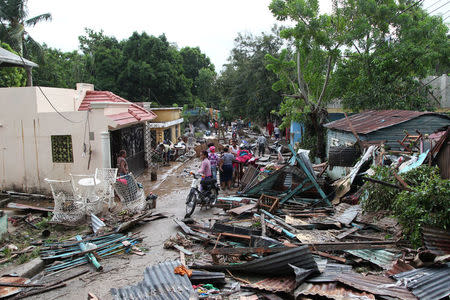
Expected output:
{"points": [[373, 120]]}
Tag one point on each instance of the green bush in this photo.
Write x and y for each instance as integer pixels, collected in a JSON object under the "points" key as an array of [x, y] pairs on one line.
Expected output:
{"points": [[380, 197], [428, 202]]}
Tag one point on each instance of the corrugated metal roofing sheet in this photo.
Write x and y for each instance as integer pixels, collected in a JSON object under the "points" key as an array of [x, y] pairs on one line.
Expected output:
{"points": [[427, 283], [274, 265], [278, 284], [380, 258], [436, 240], [398, 267], [378, 285], [373, 120], [331, 290], [9, 59], [331, 272], [160, 282], [134, 114]]}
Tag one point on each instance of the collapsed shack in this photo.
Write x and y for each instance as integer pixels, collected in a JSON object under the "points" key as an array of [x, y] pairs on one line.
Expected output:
{"points": [[282, 237]]}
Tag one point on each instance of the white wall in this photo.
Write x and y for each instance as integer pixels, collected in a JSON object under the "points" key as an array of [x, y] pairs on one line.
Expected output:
{"points": [[25, 140], [62, 99]]}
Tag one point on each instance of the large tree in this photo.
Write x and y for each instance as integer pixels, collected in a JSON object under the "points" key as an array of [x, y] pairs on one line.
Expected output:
{"points": [[245, 83], [60, 69], [305, 71], [152, 69], [14, 15], [394, 45]]}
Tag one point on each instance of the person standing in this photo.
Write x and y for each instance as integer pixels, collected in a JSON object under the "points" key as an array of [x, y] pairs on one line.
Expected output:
{"points": [[234, 148], [270, 128], [216, 127], [226, 168], [213, 159], [122, 164], [276, 131], [261, 141]]}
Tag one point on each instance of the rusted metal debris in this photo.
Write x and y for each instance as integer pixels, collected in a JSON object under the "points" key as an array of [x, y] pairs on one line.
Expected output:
{"points": [[436, 240], [277, 284], [331, 290], [377, 285], [427, 283], [272, 265]]}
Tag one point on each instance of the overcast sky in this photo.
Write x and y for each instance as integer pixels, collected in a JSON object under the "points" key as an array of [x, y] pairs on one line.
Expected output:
{"points": [[210, 24]]}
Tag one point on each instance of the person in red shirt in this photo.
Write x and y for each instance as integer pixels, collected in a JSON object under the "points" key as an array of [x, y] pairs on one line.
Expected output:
{"points": [[216, 126], [270, 128]]}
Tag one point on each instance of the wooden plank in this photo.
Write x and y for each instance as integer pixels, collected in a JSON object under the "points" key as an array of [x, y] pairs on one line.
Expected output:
{"points": [[15, 205], [242, 209], [247, 250], [347, 232], [324, 254]]}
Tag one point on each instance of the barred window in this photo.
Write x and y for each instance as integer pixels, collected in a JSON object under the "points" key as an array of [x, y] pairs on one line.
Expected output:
{"points": [[62, 151]]}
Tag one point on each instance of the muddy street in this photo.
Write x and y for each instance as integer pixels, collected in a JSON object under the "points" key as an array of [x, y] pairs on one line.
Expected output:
{"points": [[172, 187]]}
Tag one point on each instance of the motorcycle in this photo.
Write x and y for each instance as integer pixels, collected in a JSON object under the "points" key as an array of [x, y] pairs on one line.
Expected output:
{"points": [[207, 196], [275, 148]]}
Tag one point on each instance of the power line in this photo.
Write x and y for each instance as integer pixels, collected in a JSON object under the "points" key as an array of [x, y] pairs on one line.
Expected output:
{"points": [[438, 8], [40, 89], [432, 5]]}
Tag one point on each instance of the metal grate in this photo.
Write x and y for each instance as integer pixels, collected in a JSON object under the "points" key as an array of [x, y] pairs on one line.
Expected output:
{"points": [[62, 150]]}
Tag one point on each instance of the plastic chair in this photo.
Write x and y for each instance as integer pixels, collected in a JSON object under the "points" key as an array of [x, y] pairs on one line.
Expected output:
{"points": [[131, 195], [68, 207], [105, 178]]}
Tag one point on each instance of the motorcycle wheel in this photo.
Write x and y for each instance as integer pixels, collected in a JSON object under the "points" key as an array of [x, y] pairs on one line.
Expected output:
{"points": [[214, 194], [191, 201]]}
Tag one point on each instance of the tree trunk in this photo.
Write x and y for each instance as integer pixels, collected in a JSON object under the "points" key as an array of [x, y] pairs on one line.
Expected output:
{"points": [[316, 122]]}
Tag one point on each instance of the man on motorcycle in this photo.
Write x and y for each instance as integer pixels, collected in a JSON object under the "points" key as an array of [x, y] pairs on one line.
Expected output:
{"points": [[205, 168]]}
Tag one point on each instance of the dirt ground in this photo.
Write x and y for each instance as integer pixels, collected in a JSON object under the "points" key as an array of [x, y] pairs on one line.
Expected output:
{"points": [[172, 188]]}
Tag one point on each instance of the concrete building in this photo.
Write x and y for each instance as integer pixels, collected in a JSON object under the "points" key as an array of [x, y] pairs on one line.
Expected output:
{"points": [[51, 132], [166, 126]]}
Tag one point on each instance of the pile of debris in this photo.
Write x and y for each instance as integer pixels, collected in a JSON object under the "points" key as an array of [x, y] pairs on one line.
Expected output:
{"points": [[290, 234]]}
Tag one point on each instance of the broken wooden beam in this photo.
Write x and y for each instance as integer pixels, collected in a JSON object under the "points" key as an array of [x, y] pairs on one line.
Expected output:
{"points": [[247, 250]]}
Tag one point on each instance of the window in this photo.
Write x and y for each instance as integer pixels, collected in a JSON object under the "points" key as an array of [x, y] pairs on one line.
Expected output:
{"points": [[62, 148]]}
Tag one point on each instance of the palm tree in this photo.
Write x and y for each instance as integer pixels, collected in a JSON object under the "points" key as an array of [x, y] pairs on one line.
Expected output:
{"points": [[14, 20]]}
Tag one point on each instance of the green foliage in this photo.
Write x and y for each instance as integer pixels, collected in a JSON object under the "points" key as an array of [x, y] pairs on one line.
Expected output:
{"points": [[391, 46], [59, 69], [12, 76], [199, 69], [428, 202], [14, 14], [140, 68], [380, 197], [245, 83], [304, 69]]}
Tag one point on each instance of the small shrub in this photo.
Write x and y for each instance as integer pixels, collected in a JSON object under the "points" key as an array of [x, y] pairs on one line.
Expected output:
{"points": [[380, 197], [428, 202]]}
